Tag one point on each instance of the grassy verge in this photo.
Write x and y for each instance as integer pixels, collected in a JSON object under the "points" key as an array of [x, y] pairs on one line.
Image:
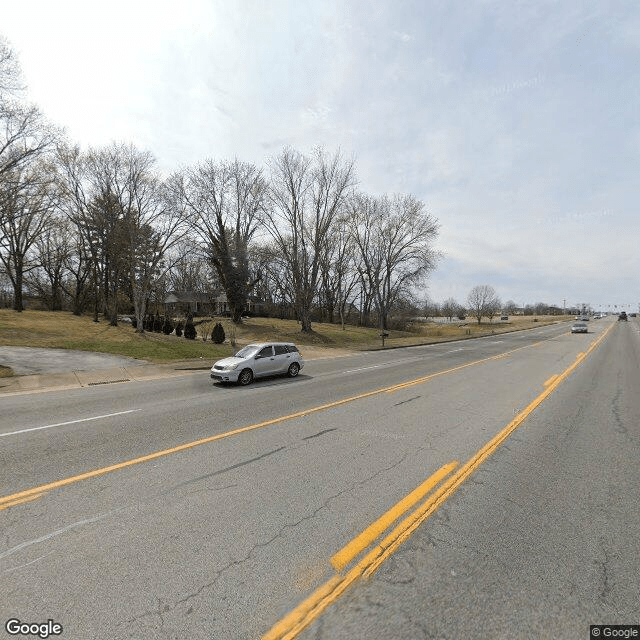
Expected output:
{"points": [[62, 330], [5, 372]]}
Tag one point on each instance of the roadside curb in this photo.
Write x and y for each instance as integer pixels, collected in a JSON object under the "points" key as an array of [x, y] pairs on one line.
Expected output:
{"points": [[78, 379]]}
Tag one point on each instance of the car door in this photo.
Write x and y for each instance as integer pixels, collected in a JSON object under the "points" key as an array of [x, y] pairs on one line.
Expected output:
{"points": [[282, 358], [264, 362]]}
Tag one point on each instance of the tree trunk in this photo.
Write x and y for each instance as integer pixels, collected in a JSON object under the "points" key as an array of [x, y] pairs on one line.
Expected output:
{"points": [[236, 314], [17, 286], [304, 316], [56, 302], [17, 294], [140, 309]]}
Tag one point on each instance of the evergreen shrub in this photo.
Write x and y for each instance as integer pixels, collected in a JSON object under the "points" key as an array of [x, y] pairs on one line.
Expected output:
{"points": [[217, 335]]}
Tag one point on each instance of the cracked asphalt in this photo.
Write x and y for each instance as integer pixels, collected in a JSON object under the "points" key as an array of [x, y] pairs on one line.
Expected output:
{"points": [[223, 539], [541, 543]]}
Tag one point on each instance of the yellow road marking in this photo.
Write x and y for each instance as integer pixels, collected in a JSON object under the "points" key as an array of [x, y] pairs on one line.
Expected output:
{"points": [[196, 443], [307, 611], [341, 559], [550, 380], [21, 501]]}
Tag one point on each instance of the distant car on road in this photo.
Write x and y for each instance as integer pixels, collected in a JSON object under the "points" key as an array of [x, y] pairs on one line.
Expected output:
{"points": [[584, 318], [579, 327], [623, 316], [257, 361], [632, 315]]}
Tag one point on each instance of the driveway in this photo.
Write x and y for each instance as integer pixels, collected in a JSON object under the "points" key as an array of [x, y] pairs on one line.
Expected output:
{"points": [[31, 360]]}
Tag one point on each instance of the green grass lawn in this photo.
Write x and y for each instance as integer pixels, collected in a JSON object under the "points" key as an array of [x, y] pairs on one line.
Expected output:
{"points": [[62, 330]]}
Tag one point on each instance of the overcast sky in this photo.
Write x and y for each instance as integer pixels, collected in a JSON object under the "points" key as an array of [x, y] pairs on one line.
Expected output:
{"points": [[516, 122]]}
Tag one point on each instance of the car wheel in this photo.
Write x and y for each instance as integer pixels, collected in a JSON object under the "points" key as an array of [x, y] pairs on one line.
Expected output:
{"points": [[294, 370], [245, 377]]}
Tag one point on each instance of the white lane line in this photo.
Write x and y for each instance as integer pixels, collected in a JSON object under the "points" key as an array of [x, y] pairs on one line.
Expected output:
{"points": [[28, 563], [376, 366], [53, 534], [62, 424], [497, 342]]}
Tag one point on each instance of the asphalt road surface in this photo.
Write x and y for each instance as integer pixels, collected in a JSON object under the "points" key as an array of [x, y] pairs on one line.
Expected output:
{"points": [[182, 509], [30, 360]]}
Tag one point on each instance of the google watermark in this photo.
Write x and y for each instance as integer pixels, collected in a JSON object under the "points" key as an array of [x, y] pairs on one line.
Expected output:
{"points": [[15, 627], [614, 631]]}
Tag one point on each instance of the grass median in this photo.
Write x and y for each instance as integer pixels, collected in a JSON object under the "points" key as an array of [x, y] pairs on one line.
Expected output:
{"points": [[62, 330]]}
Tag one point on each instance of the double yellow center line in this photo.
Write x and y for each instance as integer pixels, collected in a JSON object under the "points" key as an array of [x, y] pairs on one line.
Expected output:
{"points": [[311, 608]]}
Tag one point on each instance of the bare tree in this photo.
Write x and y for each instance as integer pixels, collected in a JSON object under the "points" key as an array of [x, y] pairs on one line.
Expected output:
{"points": [[154, 224], [430, 308], [306, 194], [338, 273], [226, 201], [395, 239], [127, 218], [53, 248], [541, 308], [483, 301], [510, 306], [80, 272], [24, 134], [191, 270], [275, 287], [493, 307], [10, 74], [450, 308], [77, 203], [27, 200]]}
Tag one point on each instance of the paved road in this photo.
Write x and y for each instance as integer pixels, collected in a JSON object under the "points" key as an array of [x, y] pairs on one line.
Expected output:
{"points": [[224, 538], [31, 360]]}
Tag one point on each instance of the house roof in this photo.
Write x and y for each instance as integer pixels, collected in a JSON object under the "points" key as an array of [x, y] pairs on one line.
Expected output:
{"points": [[188, 296]]}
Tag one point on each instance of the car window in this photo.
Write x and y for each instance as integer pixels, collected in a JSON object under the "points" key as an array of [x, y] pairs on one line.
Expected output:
{"points": [[247, 351], [292, 348], [265, 351], [280, 349]]}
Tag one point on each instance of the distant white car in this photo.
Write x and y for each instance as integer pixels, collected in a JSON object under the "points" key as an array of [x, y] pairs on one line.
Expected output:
{"points": [[257, 361], [579, 327]]}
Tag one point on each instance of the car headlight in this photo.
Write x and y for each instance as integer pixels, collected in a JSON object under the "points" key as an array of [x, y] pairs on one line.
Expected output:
{"points": [[232, 367]]}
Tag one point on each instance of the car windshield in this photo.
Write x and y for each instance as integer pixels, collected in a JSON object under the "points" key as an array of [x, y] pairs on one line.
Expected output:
{"points": [[247, 351]]}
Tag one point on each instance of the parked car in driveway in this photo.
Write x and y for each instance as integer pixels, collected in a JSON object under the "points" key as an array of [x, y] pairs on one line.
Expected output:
{"points": [[257, 361], [579, 327]]}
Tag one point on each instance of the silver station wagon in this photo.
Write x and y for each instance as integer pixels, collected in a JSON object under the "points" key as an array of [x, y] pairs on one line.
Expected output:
{"points": [[257, 361]]}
